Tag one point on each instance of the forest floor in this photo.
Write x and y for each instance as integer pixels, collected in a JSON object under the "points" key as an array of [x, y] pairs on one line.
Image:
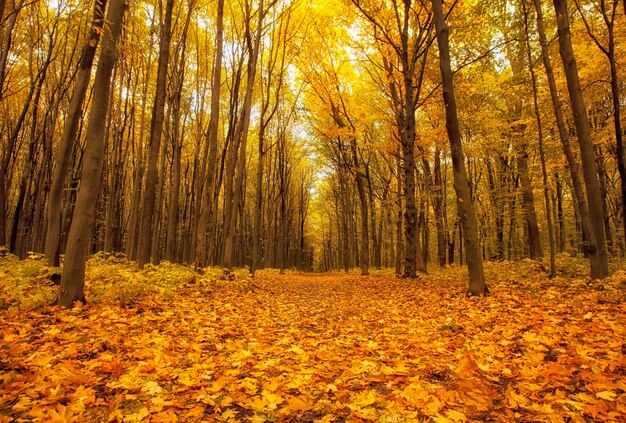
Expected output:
{"points": [[165, 344]]}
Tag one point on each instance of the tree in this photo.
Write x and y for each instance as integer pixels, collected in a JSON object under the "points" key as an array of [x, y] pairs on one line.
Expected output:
{"points": [[598, 253], [237, 164], [156, 128], [608, 49], [206, 208], [574, 167], [477, 285], [404, 33], [68, 140], [542, 154], [73, 276]]}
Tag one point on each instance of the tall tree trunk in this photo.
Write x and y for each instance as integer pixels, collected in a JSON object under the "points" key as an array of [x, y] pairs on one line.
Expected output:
{"points": [[32, 146], [559, 212], [5, 178], [438, 208], [609, 16], [518, 132], [598, 253], [81, 229], [617, 119], [156, 127], [241, 137], [577, 185], [534, 237], [411, 243], [209, 184], [542, 155], [157, 222], [134, 219], [399, 243], [177, 137], [364, 260], [173, 206], [477, 284], [115, 168], [258, 200]]}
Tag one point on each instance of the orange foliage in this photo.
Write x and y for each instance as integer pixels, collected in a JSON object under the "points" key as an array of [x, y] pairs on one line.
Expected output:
{"points": [[325, 348]]}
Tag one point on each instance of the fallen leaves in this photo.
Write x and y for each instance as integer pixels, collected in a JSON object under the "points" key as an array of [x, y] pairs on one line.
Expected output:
{"points": [[319, 348]]}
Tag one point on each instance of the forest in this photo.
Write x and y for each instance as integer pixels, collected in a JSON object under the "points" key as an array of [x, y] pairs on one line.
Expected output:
{"points": [[312, 210]]}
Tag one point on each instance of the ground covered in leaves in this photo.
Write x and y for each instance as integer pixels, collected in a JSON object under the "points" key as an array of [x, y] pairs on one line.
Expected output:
{"points": [[167, 344]]}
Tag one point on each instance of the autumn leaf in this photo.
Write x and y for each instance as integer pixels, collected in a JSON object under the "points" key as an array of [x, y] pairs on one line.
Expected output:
{"points": [[607, 395], [157, 366]]}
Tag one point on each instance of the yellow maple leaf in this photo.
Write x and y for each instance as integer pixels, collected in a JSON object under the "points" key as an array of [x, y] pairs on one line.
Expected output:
{"points": [[151, 387], [368, 413], [456, 416], [363, 399], [168, 416], [607, 395], [258, 403], [138, 416], [298, 404], [273, 400], [228, 414], [195, 413]]}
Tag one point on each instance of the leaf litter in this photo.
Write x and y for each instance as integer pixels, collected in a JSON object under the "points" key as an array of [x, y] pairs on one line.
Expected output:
{"points": [[313, 347]]}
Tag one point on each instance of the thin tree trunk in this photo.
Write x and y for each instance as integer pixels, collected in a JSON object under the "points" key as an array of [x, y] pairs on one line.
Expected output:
{"points": [[477, 284], [115, 168], [439, 211], [617, 119], [32, 145], [365, 250], [241, 137], [534, 237], [81, 229], [158, 114], [559, 212], [542, 155], [173, 206], [609, 16], [577, 185], [598, 254], [399, 244], [209, 185]]}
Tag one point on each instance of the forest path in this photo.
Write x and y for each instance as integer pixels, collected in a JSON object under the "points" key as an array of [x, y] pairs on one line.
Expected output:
{"points": [[310, 347]]}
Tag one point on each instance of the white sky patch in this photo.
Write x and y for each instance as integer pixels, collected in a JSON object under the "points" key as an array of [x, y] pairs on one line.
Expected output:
{"points": [[53, 4], [499, 56], [60, 7], [203, 22], [149, 9]]}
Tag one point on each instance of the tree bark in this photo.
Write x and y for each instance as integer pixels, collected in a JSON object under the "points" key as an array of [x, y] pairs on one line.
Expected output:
{"points": [[73, 276], [173, 206], [241, 137], [608, 17], [532, 226], [399, 244], [542, 155], [437, 193], [158, 114], [577, 185], [477, 284], [598, 253], [209, 184]]}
